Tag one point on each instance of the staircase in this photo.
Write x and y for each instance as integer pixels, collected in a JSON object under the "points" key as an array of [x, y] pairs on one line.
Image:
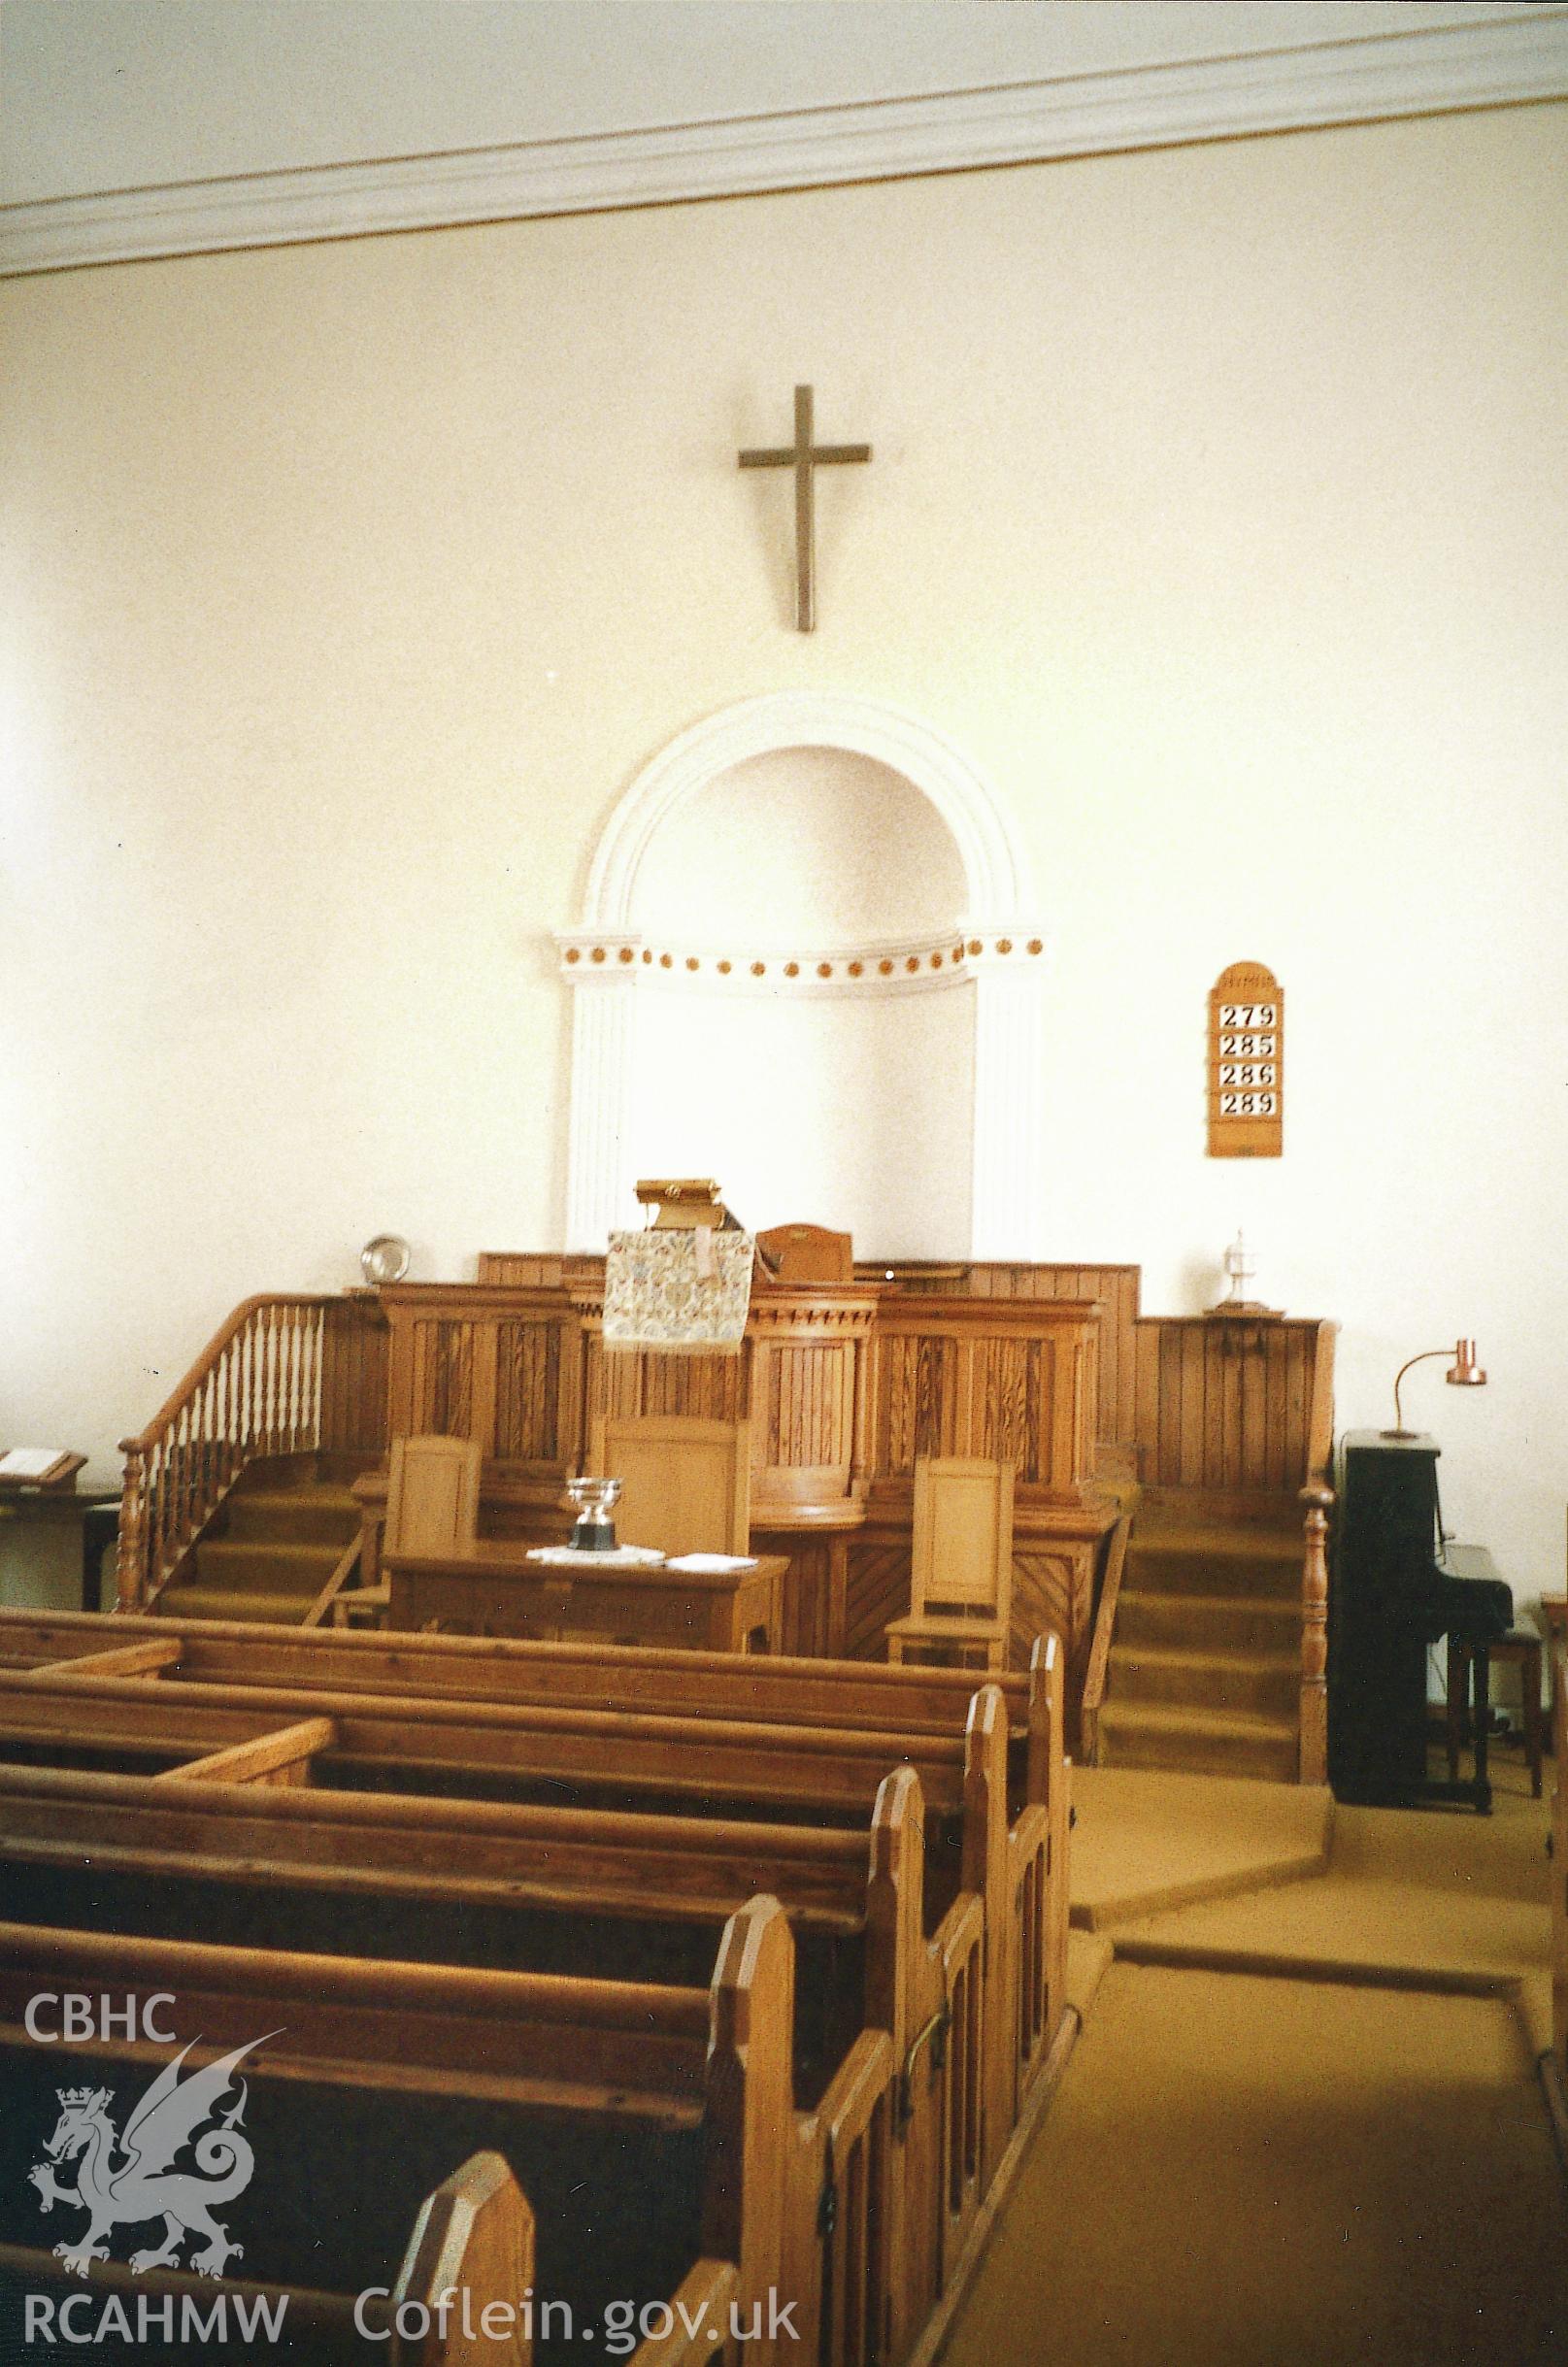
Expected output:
{"points": [[1205, 1667], [270, 1547]]}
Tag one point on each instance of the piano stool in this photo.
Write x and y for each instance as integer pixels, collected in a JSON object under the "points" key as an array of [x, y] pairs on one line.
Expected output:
{"points": [[1552, 1620], [1520, 1644]]}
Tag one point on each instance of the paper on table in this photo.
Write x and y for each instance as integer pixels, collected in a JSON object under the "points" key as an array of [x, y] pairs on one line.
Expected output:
{"points": [[698, 1563]]}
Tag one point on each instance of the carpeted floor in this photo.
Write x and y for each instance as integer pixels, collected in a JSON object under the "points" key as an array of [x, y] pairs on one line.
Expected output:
{"points": [[1303, 2124], [1246, 2172]]}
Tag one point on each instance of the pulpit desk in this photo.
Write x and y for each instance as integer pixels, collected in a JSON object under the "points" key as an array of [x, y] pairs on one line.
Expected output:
{"points": [[491, 1588]]}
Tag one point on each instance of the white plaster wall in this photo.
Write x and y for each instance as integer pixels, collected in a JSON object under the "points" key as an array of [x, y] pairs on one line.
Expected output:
{"points": [[802, 847], [1215, 510], [844, 1110]]}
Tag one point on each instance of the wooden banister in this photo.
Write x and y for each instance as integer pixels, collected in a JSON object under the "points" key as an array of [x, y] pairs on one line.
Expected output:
{"points": [[1099, 1659], [1318, 1496], [1313, 1764], [274, 1380], [1320, 1411]]}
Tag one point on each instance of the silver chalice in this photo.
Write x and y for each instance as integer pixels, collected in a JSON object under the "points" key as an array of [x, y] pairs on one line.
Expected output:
{"points": [[593, 1531]]}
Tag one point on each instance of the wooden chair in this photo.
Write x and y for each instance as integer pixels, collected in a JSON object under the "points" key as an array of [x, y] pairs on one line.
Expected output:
{"points": [[808, 1253], [960, 1563], [432, 1505], [685, 1484]]}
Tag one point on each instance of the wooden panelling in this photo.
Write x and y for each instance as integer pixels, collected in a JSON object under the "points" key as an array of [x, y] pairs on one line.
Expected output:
{"points": [[810, 1607], [530, 1360], [877, 1591], [1114, 1288], [441, 1379], [623, 1384], [1231, 1405], [810, 1400], [1053, 1588], [504, 1367], [354, 1376], [916, 1402], [1009, 1381]]}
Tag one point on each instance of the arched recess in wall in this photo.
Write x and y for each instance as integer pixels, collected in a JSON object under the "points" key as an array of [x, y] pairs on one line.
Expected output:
{"points": [[823, 887]]}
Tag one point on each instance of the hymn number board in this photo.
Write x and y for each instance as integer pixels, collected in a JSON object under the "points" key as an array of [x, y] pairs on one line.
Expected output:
{"points": [[1246, 1064]]}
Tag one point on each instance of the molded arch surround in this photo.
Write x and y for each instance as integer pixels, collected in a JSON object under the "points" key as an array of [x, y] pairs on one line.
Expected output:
{"points": [[994, 867], [604, 960]]}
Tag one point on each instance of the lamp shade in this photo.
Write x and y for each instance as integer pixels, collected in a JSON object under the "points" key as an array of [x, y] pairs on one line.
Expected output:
{"points": [[1463, 1373]]}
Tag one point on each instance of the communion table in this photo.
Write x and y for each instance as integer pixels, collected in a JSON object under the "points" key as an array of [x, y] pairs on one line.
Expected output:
{"points": [[495, 1588]]}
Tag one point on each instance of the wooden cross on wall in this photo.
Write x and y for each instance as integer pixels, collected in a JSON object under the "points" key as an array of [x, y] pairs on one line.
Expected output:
{"points": [[804, 457]]}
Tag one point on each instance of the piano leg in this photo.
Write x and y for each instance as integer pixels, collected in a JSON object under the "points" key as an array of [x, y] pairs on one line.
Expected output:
{"points": [[1458, 1705], [1481, 1659]]}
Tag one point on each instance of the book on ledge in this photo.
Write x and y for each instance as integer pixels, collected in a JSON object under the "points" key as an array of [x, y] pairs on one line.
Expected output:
{"points": [[37, 1466]]}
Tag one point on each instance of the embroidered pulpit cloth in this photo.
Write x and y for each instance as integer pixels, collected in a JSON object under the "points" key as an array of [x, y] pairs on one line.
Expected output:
{"points": [[682, 1292]]}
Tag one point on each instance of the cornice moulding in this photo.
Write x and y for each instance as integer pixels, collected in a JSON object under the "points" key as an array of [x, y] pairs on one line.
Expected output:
{"points": [[1507, 60]]}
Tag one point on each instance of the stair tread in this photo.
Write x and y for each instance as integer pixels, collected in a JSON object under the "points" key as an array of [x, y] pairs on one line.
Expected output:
{"points": [[1180, 1657], [1271, 1605], [312, 1549], [197, 1602], [1181, 1717], [294, 1499], [1233, 1542]]}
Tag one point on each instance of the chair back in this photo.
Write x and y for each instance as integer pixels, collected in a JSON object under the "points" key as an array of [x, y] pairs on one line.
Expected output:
{"points": [[808, 1253], [962, 1550], [685, 1484], [432, 1495]]}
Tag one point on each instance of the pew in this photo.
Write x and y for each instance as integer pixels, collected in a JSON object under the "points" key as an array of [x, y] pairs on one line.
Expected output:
{"points": [[485, 1855], [684, 2098], [302, 1736], [1021, 1868], [555, 1887], [789, 1691], [474, 2231]]}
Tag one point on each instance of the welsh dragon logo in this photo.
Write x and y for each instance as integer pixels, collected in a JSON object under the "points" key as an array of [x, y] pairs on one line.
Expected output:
{"points": [[144, 2185]]}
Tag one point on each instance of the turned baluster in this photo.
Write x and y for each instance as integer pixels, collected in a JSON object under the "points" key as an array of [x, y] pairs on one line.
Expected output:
{"points": [[318, 1375], [295, 1422], [248, 1390], [1313, 1764], [269, 1379], [225, 1415], [161, 1492], [285, 1381], [180, 1490], [130, 1558]]}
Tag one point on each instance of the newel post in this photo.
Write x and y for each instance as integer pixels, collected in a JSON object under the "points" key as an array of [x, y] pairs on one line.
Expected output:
{"points": [[1314, 1762], [130, 1558]]}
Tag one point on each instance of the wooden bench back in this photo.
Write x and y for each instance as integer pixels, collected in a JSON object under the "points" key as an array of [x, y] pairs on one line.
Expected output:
{"points": [[436, 1744], [686, 1483], [790, 1691], [432, 1494], [610, 2054], [961, 1547]]}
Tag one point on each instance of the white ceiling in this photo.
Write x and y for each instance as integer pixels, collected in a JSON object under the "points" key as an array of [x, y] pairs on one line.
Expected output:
{"points": [[582, 102]]}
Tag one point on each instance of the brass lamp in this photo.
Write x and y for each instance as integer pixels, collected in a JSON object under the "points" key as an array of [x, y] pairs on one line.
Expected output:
{"points": [[1463, 1373]]}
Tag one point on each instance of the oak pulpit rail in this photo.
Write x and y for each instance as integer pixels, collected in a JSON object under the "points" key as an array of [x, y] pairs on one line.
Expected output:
{"points": [[287, 1374]]}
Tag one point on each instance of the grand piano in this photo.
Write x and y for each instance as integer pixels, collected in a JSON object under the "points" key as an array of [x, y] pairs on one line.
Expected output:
{"points": [[1397, 1585]]}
